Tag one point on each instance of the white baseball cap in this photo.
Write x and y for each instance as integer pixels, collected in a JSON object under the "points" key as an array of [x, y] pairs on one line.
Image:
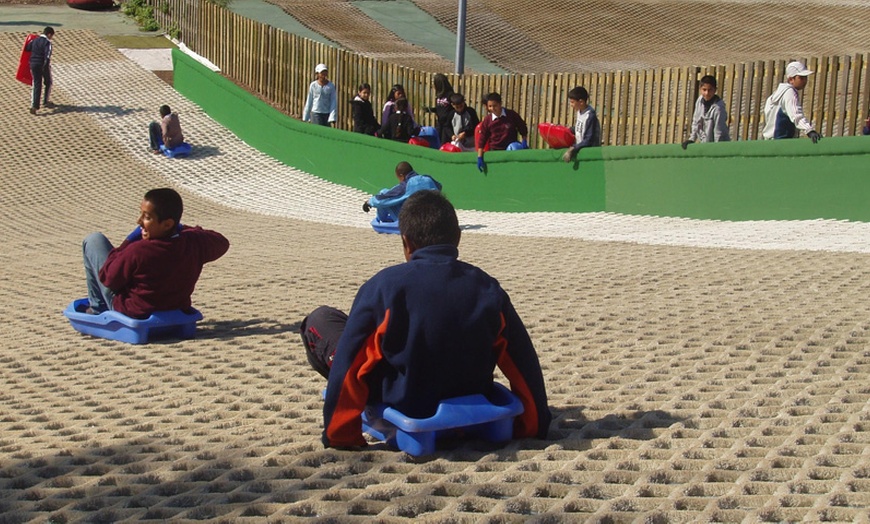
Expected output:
{"points": [[320, 68], [796, 69]]}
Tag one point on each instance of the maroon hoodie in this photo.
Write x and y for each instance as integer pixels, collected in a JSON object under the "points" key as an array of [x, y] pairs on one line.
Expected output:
{"points": [[159, 274]]}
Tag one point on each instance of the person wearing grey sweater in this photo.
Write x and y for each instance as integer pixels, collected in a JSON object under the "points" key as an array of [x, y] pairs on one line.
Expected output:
{"points": [[710, 120]]}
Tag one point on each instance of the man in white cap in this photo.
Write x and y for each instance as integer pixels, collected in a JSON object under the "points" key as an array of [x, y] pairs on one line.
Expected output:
{"points": [[783, 112], [322, 101]]}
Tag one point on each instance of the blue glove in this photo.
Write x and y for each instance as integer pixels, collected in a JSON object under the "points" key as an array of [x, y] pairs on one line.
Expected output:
{"points": [[481, 165], [135, 235], [525, 144]]}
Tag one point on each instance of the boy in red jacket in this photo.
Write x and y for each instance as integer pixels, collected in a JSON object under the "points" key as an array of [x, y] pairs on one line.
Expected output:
{"points": [[156, 267], [499, 128]]}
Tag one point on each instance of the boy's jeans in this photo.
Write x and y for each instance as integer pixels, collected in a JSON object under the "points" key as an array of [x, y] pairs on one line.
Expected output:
{"points": [[155, 136], [95, 251], [321, 119]]}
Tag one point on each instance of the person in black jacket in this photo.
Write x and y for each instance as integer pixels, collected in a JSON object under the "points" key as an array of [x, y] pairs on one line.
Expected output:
{"points": [[364, 120], [400, 126], [40, 68], [443, 111], [463, 121]]}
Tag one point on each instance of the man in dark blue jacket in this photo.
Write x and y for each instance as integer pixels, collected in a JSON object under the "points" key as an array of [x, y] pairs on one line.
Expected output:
{"points": [[421, 332], [40, 68]]}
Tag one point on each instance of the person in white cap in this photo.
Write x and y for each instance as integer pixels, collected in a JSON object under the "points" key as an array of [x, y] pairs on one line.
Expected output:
{"points": [[783, 112], [322, 101]]}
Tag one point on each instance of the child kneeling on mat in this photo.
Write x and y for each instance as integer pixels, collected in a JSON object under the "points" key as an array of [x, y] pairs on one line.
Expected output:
{"points": [[157, 265], [421, 332]]}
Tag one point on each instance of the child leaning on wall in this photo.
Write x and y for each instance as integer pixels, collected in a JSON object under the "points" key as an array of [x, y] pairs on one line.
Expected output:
{"points": [[710, 121], [499, 129], [783, 112], [587, 129]]}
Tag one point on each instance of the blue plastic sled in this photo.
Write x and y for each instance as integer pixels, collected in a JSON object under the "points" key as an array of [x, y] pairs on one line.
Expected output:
{"points": [[473, 415], [385, 227], [116, 326], [182, 149], [431, 136]]}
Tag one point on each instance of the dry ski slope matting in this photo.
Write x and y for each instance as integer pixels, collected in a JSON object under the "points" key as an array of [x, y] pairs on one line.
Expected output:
{"points": [[689, 380]]}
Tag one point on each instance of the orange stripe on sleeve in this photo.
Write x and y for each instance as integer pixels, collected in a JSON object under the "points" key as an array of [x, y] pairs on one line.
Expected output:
{"points": [[345, 425], [526, 424]]}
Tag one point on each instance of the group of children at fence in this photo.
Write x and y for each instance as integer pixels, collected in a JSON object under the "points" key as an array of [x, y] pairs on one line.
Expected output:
{"points": [[783, 113], [458, 127]]}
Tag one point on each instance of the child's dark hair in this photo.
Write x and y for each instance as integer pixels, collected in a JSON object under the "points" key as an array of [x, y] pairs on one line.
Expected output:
{"points": [[427, 218], [710, 80], [457, 98], [401, 104], [493, 97], [396, 87], [164, 110], [579, 93], [48, 30], [403, 168], [363, 86], [167, 204]]}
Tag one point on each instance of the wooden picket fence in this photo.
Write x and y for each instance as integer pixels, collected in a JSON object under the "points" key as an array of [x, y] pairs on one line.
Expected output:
{"points": [[635, 107]]}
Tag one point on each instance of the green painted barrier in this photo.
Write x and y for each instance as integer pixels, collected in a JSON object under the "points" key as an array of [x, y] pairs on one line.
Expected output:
{"points": [[756, 180]]}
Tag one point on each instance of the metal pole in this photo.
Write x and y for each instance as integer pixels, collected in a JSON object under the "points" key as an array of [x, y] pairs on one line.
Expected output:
{"points": [[460, 38]]}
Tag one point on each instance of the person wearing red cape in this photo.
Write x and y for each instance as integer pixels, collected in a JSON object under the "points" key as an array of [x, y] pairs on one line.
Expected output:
{"points": [[37, 53], [23, 74]]}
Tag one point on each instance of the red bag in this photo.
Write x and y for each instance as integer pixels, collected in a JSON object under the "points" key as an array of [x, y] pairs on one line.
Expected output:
{"points": [[419, 142], [23, 74], [450, 148], [558, 137]]}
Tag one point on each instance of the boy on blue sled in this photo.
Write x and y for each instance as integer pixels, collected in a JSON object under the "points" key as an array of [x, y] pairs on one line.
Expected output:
{"points": [[420, 332], [157, 265], [389, 201]]}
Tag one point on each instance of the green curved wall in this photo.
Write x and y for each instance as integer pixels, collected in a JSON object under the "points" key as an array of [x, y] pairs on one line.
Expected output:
{"points": [[757, 180]]}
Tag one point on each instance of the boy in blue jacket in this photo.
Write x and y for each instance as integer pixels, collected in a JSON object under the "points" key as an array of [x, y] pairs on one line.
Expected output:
{"points": [[389, 201], [421, 332]]}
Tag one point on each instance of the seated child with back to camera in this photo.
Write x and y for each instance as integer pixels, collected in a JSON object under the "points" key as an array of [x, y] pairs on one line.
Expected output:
{"points": [[420, 332]]}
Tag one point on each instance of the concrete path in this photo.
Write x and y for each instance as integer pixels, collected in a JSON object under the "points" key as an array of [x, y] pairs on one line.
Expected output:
{"points": [[33, 18]]}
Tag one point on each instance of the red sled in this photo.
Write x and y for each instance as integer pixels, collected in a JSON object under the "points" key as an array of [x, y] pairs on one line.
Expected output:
{"points": [[558, 137], [90, 5], [23, 75]]}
